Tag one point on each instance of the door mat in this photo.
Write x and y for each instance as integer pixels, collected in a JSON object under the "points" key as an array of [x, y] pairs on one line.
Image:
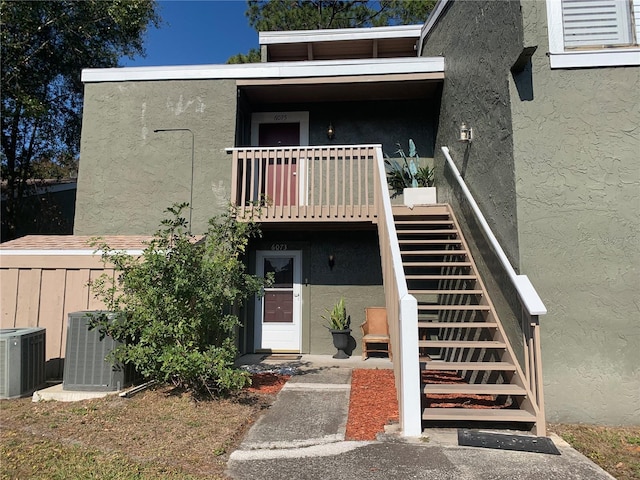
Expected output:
{"points": [[501, 441], [279, 357]]}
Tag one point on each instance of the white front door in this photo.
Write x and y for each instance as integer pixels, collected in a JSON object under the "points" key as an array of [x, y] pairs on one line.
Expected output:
{"points": [[278, 312]]}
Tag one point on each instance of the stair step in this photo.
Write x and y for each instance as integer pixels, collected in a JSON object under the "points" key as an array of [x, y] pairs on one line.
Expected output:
{"points": [[439, 241], [433, 253], [474, 389], [487, 415], [446, 231], [445, 292], [457, 366], [440, 277], [436, 264], [460, 344], [428, 308], [457, 325], [423, 222]]}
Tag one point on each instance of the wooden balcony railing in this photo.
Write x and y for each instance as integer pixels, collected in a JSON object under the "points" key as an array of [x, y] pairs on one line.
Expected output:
{"points": [[319, 183]]}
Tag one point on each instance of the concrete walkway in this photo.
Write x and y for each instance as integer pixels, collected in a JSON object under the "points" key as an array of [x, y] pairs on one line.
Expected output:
{"points": [[302, 437]]}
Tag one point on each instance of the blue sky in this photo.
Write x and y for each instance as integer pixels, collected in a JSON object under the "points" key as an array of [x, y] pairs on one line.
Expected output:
{"points": [[197, 32]]}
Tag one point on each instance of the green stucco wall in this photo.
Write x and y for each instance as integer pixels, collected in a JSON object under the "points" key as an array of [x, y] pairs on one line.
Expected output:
{"points": [[356, 276], [128, 174], [554, 167], [577, 151]]}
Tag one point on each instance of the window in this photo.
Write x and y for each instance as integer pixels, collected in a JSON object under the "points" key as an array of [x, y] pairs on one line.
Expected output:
{"points": [[591, 33]]}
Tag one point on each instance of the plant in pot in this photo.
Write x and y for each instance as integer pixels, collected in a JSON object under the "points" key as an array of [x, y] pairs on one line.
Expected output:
{"points": [[410, 178], [339, 323]]}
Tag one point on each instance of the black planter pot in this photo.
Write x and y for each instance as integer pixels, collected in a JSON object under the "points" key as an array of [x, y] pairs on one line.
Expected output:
{"points": [[341, 342]]}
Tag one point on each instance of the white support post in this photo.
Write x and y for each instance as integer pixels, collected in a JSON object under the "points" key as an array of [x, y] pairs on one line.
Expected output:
{"points": [[411, 416]]}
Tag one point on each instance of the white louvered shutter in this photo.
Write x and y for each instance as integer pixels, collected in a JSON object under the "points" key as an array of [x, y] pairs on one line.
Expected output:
{"points": [[598, 23]]}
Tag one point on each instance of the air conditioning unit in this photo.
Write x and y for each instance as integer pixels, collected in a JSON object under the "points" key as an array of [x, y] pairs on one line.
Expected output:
{"points": [[85, 367], [22, 361]]}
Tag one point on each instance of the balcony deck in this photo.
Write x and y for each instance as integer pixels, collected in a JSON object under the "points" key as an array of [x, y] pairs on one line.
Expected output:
{"points": [[316, 183]]}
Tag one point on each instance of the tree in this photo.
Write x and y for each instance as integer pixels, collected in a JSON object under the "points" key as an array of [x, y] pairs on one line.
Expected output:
{"points": [[45, 44], [279, 15], [176, 303], [253, 56], [283, 15]]}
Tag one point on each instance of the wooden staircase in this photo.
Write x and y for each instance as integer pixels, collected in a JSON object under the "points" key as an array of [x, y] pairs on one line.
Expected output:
{"points": [[468, 368]]}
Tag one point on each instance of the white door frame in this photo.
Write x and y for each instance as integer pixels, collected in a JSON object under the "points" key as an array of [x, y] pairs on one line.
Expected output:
{"points": [[302, 118], [279, 337]]}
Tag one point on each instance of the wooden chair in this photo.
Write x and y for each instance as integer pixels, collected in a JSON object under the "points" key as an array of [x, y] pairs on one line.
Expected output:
{"points": [[375, 331]]}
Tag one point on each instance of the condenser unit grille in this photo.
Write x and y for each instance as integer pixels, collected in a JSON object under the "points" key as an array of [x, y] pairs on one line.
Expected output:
{"points": [[85, 367], [22, 361]]}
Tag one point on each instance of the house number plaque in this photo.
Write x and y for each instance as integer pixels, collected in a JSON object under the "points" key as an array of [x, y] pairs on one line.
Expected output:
{"points": [[279, 247]]}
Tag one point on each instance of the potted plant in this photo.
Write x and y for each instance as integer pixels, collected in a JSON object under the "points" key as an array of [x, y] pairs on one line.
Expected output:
{"points": [[339, 324], [408, 177]]}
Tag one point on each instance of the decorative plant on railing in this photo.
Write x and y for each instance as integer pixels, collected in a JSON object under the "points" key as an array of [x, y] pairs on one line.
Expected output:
{"points": [[407, 173]]}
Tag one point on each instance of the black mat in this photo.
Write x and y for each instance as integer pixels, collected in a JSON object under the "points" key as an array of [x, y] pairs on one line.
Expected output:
{"points": [[501, 441]]}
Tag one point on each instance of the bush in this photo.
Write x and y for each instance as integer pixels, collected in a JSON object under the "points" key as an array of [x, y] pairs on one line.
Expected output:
{"points": [[178, 303]]}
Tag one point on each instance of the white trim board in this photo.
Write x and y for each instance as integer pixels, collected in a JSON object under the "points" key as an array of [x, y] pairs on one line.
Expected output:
{"points": [[312, 68], [339, 34]]}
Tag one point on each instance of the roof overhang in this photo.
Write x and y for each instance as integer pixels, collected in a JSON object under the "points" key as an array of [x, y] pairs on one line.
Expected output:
{"points": [[317, 69], [304, 45]]}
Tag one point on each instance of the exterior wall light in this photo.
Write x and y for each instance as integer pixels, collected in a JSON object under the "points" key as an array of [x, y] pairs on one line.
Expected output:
{"points": [[331, 261], [330, 132], [466, 133]]}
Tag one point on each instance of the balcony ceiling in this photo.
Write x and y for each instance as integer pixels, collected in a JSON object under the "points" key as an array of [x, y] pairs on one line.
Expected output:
{"points": [[387, 87]]}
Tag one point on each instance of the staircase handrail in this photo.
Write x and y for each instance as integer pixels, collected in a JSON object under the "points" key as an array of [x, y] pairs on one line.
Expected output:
{"points": [[529, 297], [406, 362]]}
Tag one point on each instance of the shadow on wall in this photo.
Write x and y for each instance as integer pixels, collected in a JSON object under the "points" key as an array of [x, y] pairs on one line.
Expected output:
{"points": [[522, 72]]}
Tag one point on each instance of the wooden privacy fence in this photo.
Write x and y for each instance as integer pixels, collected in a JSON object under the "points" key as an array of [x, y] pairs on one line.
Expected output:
{"points": [[44, 278]]}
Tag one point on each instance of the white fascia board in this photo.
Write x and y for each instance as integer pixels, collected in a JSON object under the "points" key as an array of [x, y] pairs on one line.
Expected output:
{"points": [[307, 69], [435, 15], [338, 34]]}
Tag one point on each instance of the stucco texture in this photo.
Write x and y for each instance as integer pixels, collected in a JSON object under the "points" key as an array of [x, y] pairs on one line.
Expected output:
{"points": [[356, 276], [576, 149], [554, 167], [129, 175]]}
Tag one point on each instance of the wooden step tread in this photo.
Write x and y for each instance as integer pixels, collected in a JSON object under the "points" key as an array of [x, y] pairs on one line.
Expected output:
{"points": [[438, 241], [440, 277], [461, 344], [457, 325], [446, 231], [487, 415], [457, 252], [457, 366], [433, 253], [423, 222], [436, 264], [474, 389], [446, 292], [426, 308]]}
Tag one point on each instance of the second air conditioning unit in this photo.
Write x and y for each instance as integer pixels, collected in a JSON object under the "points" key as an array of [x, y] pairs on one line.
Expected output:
{"points": [[85, 367]]}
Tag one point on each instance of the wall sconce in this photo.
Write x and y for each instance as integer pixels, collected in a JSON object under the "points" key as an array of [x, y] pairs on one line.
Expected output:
{"points": [[466, 133], [330, 132], [331, 261]]}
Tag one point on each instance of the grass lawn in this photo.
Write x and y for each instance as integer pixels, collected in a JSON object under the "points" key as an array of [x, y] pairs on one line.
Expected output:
{"points": [[616, 449], [163, 434], [156, 434]]}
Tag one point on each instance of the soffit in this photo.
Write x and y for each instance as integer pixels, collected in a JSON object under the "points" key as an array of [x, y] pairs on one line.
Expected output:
{"points": [[346, 49], [337, 89]]}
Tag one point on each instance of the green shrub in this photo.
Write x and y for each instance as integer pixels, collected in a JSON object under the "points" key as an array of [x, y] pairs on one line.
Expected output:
{"points": [[178, 303]]}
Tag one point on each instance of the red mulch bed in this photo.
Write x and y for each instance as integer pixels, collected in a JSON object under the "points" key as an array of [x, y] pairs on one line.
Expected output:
{"points": [[372, 405], [268, 383]]}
